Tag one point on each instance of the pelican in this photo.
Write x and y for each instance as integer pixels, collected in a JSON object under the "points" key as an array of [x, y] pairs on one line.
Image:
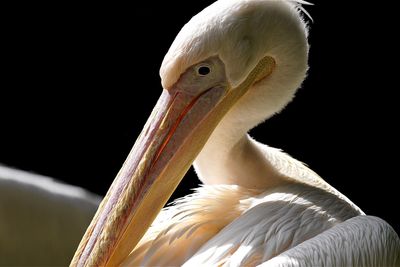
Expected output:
{"points": [[234, 65]]}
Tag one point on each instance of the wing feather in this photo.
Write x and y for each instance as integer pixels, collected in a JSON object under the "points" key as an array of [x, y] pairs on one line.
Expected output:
{"points": [[276, 221], [359, 241]]}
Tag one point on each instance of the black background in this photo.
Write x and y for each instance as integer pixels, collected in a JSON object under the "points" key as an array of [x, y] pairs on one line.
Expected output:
{"points": [[78, 82]]}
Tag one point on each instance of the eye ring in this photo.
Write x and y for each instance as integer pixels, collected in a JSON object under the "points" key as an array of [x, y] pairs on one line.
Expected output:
{"points": [[203, 70]]}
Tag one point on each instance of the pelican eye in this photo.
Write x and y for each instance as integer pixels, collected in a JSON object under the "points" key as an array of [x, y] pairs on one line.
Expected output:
{"points": [[203, 70]]}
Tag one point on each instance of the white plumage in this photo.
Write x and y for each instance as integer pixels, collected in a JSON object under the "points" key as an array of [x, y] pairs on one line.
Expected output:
{"points": [[291, 225], [359, 241]]}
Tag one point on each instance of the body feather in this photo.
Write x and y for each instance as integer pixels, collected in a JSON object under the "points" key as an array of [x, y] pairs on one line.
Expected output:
{"points": [[236, 226]]}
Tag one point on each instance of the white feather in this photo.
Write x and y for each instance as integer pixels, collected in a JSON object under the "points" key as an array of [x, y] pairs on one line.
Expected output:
{"points": [[359, 241], [275, 221]]}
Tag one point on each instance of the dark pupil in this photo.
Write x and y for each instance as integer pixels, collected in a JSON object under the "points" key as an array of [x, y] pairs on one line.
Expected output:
{"points": [[204, 70]]}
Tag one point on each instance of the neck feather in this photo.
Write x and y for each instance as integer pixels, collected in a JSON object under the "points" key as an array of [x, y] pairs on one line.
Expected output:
{"points": [[230, 156]]}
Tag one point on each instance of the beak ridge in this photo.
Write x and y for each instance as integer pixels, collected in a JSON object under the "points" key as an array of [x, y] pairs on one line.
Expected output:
{"points": [[175, 133]]}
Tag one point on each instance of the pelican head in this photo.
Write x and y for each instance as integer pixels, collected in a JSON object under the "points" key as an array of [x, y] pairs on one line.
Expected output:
{"points": [[235, 63]]}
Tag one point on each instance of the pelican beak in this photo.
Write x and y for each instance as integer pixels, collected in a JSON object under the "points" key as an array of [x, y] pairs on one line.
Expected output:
{"points": [[175, 133]]}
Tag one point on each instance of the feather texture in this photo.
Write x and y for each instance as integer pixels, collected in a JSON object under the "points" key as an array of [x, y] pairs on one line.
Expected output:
{"points": [[359, 241], [254, 227]]}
